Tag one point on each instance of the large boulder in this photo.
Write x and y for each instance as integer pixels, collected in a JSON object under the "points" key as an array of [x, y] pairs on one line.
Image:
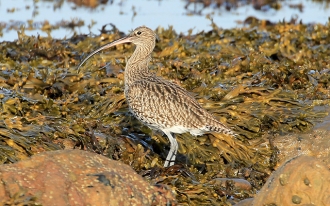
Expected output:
{"points": [[75, 177], [303, 180]]}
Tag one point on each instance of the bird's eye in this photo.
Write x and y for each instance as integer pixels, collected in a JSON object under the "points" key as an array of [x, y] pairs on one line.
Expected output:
{"points": [[139, 32]]}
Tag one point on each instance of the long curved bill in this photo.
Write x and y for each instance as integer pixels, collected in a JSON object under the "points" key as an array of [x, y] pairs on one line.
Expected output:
{"points": [[126, 39]]}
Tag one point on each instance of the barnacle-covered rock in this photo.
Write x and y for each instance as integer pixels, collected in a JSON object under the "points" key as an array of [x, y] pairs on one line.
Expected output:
{"points": [[303, 180]]}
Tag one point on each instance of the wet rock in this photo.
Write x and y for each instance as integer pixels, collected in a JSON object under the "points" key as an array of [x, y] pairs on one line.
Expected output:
{"points": [[314, 143], [302, 180], [238, 184], [75, 177]]}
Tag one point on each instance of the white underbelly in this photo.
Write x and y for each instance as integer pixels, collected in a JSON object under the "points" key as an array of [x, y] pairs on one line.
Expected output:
{"points": [[181, 129]]}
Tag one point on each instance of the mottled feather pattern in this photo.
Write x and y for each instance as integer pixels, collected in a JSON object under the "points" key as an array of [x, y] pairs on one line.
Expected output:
{"points": [[162, 104]]}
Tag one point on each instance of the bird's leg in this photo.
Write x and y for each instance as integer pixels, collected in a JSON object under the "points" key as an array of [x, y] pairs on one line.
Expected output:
{"points": [[176, 146], [170, 159]]}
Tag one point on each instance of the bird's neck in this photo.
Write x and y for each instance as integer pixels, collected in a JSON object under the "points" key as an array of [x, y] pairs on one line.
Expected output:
{"points": [[137, 65]]}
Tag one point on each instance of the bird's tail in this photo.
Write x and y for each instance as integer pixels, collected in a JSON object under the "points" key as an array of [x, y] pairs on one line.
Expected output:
{"points": [[218, 127]]}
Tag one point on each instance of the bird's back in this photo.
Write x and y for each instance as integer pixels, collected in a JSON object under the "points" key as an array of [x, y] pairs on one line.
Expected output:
{"points": [[164, 105]]}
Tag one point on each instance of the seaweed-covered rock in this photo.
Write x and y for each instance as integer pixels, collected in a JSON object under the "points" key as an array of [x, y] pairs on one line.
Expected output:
{"points": [[263, 81], [75, 177]]}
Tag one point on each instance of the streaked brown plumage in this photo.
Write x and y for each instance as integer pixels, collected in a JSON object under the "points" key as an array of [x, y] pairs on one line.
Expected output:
{"points": [[158, 103]]}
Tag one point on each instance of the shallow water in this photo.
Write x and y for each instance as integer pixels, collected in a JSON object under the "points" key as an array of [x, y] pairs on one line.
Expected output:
{"points": [[127, 15]]}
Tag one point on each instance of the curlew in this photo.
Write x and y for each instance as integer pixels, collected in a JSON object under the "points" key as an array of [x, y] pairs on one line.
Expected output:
{"points": [[158, 103]]}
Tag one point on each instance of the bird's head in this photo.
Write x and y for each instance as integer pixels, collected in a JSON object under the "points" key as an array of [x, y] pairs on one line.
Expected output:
{"points": [[142, 37]]}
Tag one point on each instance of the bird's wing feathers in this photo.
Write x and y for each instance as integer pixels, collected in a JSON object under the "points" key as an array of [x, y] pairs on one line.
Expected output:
{"points": [[164, 103]]}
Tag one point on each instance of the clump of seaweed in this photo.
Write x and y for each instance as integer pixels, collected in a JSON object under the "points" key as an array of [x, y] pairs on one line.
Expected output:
{"points": [[261, 80]]}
